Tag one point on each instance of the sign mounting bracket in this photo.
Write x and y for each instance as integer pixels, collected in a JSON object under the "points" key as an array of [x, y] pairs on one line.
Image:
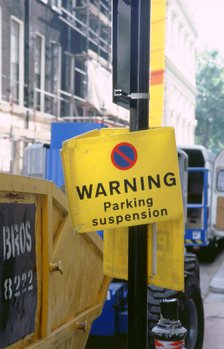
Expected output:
{"points": [[139, 95]]}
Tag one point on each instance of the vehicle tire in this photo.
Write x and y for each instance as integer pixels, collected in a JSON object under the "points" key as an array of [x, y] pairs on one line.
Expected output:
{"points": [[221, 244], [191, 313], [208, 253], [191, 265]]}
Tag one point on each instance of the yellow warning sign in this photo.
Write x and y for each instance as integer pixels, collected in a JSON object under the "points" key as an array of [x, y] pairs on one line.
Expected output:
{"points": [[122, 179], [165, 256]]}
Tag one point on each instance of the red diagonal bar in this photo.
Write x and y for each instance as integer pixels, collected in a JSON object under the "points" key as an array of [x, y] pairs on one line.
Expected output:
{"points": [[131, 162]]}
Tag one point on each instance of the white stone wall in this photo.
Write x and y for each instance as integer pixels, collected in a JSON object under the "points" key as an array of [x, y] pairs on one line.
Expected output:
{"points": [[180, 90], [14, 136]]}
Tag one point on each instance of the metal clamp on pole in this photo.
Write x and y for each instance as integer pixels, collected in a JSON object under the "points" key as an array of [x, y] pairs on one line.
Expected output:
{"points": [[139, 95], [121, 93]]}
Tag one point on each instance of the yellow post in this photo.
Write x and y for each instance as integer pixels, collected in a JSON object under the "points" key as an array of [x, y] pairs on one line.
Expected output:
{"points": [[158, 27]]}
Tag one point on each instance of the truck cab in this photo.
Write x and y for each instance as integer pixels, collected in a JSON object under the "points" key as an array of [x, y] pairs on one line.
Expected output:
{"points": [[199, 203]]}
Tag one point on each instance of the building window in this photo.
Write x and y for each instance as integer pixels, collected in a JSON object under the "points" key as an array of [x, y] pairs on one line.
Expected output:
{"points": [[80, 78], [68, 73], [220, 180], [16, 61], [55, 64], [55, 78], [39, 72], [66, 82]]}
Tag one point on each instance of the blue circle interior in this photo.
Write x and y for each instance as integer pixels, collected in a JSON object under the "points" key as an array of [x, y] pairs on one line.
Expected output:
{"points": [[128, 152]]}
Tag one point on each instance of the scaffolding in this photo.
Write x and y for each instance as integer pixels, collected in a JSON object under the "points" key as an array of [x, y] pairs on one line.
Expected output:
{"points": [[92, 19]]}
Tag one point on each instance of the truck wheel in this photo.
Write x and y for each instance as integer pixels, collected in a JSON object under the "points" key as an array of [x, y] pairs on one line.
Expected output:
{"points": [[208, 254], [191, 265], [191, 313]]}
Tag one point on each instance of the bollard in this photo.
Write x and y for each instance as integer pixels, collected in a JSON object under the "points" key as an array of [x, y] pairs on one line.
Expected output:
{"points": [[169, 333]]}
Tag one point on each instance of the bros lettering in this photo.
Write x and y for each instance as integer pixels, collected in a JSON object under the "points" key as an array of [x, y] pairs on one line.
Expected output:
{"points": [[17, 240]]}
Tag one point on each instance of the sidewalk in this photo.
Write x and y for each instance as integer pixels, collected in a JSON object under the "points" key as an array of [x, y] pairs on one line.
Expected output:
{"points": [[214, 312]]}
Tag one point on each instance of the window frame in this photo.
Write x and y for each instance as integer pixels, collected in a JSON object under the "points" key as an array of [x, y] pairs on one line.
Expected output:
{"points": [[220, 173], [21, 58], [56, 93], [42, 71]]}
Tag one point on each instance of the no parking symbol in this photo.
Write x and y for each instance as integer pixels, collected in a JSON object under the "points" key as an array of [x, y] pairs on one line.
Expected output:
{"points": [[124, 156]]}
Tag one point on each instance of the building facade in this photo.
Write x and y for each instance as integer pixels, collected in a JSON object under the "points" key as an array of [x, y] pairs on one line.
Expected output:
{"points": [[173, 87], [55, 64], [53, 54], [180, 99]]}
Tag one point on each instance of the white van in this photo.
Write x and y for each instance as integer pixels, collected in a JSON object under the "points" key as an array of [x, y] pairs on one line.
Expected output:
{"points": [[217, 217]]}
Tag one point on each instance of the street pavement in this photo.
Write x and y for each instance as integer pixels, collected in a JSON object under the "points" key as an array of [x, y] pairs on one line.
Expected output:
{"points": [[214, 312]]}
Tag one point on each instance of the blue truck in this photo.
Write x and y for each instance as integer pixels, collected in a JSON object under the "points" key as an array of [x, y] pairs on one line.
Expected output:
{"points": [[200, 236]]}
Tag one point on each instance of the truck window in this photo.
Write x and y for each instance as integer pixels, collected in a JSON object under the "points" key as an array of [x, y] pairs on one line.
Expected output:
{"points": [[195, 187], [220, 180]]}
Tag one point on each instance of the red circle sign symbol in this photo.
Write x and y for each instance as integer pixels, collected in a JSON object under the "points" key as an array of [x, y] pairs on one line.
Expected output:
{"points": [[124, 156]]}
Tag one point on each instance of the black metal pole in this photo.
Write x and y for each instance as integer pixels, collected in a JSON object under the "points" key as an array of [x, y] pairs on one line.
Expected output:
{"points": [[139, 116]]}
